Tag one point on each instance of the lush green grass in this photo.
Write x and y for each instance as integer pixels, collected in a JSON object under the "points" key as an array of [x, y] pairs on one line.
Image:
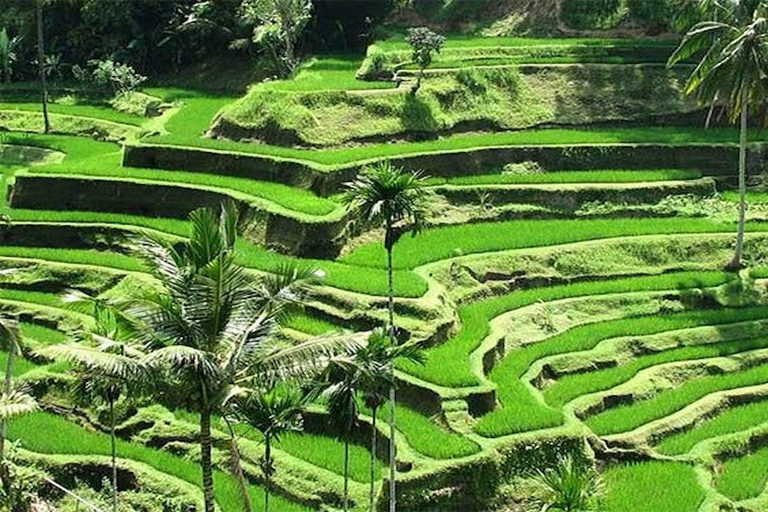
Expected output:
{"points": [[446, 242], [448, 364], [573, 386], [42, 298], [45, 433], [98, 112], [744, 477], [74, 256], [461, 40], [426, 437], [184, 127], [596, 176], [326, 73], [652, 487], [730, 420], [307, 324], [338, 274], [752, 196], [41, 335], [521, 411], [630, 417], [322, 451]]}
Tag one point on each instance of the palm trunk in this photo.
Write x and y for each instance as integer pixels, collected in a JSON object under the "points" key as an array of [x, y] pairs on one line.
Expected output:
{"points": [[268, 470], [372, 496], [7, 384], [346, 475], [41, 65], [114, 451], [238, 467], [205, 459], [392, 449], [735, 263]]}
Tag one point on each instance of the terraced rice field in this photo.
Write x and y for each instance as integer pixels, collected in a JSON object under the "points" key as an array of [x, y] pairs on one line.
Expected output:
{"points": [[616, 325]]}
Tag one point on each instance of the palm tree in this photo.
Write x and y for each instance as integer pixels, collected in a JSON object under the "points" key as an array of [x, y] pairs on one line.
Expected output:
{"points": [[104, 371], [341, 383], [272, 412], [9, 341], [13, 403], [41, 63], [378, 357], [207, 325], [385, 194], [732, 72]]}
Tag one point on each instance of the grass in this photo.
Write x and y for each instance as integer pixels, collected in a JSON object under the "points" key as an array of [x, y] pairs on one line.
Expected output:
{"points": [[731, 420], [41, 298], [322, 451], [446, 242], [45, 433], [461, 40], [630, 417], [312, 325], [448, 364], [652, 487], [326, 73], [744, 477], [596, 176], [41, 336], [426, 437], [521, 411], [573, 386], [94, 111], [74, 256]]}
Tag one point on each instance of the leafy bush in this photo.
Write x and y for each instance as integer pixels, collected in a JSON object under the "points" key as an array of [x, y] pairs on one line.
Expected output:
{"points": [[653, 12], [110, 75], [589, 14]]}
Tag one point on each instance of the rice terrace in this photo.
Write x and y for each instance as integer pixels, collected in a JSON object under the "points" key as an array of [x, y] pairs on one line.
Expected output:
{"points": [[412, 255]]}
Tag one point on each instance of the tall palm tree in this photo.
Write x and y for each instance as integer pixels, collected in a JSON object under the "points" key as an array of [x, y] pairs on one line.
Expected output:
{"points": [[732, 71], [273, 412], [104, 371], [207, 324], [378, 357], [386, 195], [41, 63], [341, 383]]}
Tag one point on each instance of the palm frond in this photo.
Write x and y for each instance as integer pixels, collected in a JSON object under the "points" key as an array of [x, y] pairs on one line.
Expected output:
{"points": [[16, 404]]}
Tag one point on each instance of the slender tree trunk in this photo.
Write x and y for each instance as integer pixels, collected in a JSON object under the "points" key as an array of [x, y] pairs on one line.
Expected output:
{"points": [[114, 451], [372, 496], [735, 263], [346, 475], [268, 470], [238, 467], [392, 398], [41, 65], [7, 385], [205, 458]]}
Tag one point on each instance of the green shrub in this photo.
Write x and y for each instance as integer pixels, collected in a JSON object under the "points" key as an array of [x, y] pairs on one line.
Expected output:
{"points": [[653, 12], [589, 14]]}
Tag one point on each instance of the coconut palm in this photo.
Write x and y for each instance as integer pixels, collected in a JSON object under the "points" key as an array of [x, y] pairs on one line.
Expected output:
{"points": [[41, 63], [732, 72], [207, 324], [273, 412], [378, 357], [386, 195]]}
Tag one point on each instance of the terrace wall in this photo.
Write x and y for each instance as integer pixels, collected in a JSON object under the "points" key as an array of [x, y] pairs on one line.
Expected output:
{"points": [[280, 232], [711, 160]]}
